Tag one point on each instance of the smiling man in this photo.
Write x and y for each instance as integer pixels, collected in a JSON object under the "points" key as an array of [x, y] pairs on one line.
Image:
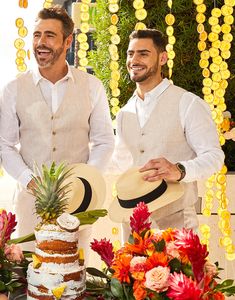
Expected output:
{"points": [[165, 129], [54, 113]]}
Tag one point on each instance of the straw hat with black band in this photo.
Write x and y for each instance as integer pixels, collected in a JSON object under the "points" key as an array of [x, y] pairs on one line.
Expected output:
{"points": [[133, 189], [87, 188]]}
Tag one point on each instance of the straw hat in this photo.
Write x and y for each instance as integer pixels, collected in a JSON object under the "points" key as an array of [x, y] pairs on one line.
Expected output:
{"points": [[132, 189], [87, 189]]}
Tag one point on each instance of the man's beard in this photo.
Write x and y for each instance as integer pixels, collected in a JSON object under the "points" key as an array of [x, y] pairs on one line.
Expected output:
{"points": [[151, 72], [54, 56]]}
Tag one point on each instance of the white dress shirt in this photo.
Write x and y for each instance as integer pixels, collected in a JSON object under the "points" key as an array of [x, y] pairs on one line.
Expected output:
{"points": [[101, 132], [198, 125]]}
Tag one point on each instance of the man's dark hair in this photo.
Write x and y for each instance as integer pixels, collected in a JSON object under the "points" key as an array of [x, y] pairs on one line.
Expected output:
{"points": [[57, 12], [158, 38]]}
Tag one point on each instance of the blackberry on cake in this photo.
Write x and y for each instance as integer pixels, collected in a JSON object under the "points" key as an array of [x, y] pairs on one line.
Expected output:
{"points": [[55, 272]]}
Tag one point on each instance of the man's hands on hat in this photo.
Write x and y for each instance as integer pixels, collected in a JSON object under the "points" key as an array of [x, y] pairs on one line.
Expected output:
{"points": [[161, 169]]}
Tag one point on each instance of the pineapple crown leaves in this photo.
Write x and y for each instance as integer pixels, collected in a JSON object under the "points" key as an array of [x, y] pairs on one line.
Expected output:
{"points": [[51, 191]]}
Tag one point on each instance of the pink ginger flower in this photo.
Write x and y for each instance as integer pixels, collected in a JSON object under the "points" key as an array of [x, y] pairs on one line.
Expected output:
{"points": [[182, 288], [105, 249], [139, 218], [7, 226], [14, 253], [188, 242]]}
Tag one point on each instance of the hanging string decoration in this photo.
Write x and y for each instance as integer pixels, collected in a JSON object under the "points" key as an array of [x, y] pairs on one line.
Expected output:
{"points": [[19, 44], [114, 56], [23, 3], [47, 3], [170, 20], [82, 37], [140, 14], [215, 50]]}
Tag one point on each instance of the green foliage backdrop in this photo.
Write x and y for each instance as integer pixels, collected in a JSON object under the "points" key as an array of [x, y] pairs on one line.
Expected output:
{"points": [[186, 71]]}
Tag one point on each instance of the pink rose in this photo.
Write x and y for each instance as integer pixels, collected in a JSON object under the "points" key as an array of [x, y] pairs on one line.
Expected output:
{"points": [[137, 260], [137, 267], [157, 279], [210, 269], [172, 250], [13, 253]]}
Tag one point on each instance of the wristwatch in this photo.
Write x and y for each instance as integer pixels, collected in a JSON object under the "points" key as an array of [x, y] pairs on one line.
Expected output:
{"points": [[182, 170]]}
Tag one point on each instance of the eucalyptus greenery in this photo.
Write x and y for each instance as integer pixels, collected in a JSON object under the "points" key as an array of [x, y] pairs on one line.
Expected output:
{"points": [[186, 71]]}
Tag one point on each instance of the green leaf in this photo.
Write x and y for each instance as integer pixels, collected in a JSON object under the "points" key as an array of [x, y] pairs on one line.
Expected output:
{"points": [[90, 216], [224, 284], [27, 238], [159, 246], [116, 288], [2, 286], [96, 272], [175, 265]]}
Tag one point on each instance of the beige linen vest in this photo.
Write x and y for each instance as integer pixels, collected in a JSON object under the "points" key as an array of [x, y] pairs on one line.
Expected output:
{"points": [[60, 137], [161, 136]]}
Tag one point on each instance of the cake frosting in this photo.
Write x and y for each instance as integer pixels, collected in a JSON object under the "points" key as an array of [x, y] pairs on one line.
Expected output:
{"points": [[55, 272]]}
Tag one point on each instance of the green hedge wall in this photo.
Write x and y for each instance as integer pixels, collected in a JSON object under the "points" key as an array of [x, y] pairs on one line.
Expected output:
{"points": [[186, 71]]}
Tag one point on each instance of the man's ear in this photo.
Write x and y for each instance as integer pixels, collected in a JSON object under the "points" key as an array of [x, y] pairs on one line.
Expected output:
{"points": [[69, 40], [163, 58]]}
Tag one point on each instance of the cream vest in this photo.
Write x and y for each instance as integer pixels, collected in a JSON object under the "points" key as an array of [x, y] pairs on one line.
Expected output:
{"points": [[59, 137], [161, 136]]}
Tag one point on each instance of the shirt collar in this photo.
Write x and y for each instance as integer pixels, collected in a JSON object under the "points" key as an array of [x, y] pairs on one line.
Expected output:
{"points": [[157, 90], [38, 77]]}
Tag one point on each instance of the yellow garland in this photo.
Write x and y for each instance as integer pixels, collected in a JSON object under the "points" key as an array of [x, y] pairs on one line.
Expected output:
{"points": [[47, 3], [114, 56], [82, 37], [19, 44], [215, 73], [140, 14], [170, 20]]}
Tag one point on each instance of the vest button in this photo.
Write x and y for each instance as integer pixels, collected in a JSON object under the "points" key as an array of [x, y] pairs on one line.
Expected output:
{"points": [[52, 117], [142, 151], [54, 149], [53, 132]]}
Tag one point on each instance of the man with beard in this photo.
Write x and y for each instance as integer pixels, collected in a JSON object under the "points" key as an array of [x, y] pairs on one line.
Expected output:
{"points": [[165, 129], [55, 113]]}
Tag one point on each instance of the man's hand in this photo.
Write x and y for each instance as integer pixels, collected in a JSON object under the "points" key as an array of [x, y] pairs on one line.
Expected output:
{"points": [[161, 169]]}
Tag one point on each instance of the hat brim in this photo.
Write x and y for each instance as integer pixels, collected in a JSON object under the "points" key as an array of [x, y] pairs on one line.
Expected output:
{"points": [[77, 188], [174, 192]]}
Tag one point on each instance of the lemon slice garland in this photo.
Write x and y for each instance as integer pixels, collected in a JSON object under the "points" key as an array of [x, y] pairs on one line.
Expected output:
{"points": [[114, 56], [170, 20], [47, 3], [19, 44], [140, 14], [23, 3], [215, 72], [82, 36]]}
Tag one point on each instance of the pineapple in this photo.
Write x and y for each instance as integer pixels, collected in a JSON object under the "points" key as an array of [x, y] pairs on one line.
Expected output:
{"points": [[51, 192]]}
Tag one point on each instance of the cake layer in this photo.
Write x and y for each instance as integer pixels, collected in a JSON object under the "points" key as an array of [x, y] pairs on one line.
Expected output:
{"points": [[57, 246], [40, 293], [55, 257], [52, 277], [49, 232]]}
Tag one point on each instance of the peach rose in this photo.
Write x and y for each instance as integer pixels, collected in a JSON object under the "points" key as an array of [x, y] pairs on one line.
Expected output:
{"points": [[14, 253], [3, 297], [171, 250], [157, 279]]}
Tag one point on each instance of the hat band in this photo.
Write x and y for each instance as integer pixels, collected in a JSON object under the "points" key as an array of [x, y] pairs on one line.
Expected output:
{"points": [[87, 196], [146, 198]]}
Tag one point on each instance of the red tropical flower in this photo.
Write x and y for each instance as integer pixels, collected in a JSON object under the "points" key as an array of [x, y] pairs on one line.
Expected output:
{"points": [[105, 249], [139, 219], [7, 226], [188, 242], [182, 288]]}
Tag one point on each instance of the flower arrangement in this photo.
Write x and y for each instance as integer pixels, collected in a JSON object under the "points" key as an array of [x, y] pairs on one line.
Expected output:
{"points": [[13, 264], [154, 264], [228, 126]]}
